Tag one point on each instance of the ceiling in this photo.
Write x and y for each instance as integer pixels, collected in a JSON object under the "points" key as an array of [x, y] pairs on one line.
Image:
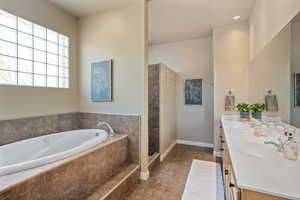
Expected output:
{"points": [[176, 20], [80, 8], [172, 20]]}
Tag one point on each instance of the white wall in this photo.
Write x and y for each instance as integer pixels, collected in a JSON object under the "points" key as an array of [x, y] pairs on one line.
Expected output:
{"points": [[190, 59], [295, 111], [195, 123], [17, 101], [116, 34], [231, 56], [121, 35], [167, 109], [271, 69], [268, 19]]}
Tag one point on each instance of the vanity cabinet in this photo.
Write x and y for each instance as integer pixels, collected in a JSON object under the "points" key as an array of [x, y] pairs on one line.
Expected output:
{"points": [[232, 191]]}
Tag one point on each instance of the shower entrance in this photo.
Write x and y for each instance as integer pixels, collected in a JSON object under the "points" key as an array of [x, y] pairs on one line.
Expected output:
{"points": [[162, 110]]}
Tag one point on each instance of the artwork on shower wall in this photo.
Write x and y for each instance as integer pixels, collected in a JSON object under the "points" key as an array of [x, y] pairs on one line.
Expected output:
{"points": [[193, 92], [297, 89], [101, 81]]}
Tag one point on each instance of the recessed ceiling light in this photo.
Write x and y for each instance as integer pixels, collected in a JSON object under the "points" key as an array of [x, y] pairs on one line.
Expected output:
{"points": [[236, 17]]}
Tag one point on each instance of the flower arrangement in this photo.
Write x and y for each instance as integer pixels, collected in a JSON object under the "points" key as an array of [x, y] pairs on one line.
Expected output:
{"points": [[243, 107], [244, 110], [257, 109]]}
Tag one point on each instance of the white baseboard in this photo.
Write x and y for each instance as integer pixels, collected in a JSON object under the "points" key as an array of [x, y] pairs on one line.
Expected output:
{"points": [[169, 149], [186, 142], [217, 154], [194, 143]]}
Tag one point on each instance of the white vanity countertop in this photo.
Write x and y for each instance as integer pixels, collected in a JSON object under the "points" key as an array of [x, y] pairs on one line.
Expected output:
{"points": [[260, 167]]}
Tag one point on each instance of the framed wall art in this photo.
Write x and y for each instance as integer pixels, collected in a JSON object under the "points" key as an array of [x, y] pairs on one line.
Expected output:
{"points": [[101, 81], [193, 92]]}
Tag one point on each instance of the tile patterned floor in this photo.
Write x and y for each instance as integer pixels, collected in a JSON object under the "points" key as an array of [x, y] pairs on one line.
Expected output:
{"points": [[168, 178]]}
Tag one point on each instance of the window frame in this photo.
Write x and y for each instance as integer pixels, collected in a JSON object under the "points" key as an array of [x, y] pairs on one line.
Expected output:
{"points": [[32, 48]]}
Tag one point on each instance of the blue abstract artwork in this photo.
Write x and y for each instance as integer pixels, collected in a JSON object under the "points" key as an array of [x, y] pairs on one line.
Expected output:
{"points": [[193, 92], [101, 75]]}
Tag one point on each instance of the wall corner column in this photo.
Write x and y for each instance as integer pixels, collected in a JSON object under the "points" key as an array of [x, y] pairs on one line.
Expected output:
{"points": [[144, 136]]}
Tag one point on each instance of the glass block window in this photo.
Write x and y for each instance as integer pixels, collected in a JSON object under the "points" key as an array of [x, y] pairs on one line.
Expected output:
{"points": [[32, 55]]}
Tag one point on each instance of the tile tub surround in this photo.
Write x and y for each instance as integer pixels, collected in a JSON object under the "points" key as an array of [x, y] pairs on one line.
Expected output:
{"points": [[124, 124], [74, 178], [14, 130], [123, 181], [20, 129]]}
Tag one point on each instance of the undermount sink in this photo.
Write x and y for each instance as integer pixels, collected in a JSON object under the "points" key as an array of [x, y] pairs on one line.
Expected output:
{"points": [[239, 125], [258, 149]]}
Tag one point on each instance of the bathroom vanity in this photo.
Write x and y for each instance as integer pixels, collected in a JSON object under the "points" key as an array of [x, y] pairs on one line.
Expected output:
{"points": [[253, 170]]}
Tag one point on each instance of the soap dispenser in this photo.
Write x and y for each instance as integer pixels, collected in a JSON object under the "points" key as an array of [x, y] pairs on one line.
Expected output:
{"points": [[291, 146]]}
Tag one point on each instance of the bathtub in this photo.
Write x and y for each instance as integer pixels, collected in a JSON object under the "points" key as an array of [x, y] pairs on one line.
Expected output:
{"points": [[42, 150]]}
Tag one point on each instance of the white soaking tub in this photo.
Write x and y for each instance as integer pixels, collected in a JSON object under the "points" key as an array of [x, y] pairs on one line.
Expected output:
{"points": [[42, 150]]}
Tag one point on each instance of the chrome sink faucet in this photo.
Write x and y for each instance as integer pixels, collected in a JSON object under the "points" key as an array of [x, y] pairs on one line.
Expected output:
{"points": [[111, 130], [280, 145]]}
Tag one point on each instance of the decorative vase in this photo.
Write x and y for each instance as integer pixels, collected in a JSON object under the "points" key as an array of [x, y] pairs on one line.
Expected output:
{"points": [[256, 115], [244, 116]]}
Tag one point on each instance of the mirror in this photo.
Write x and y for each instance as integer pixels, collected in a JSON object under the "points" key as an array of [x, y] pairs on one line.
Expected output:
{"points": [[276, 72], [295, 71]]}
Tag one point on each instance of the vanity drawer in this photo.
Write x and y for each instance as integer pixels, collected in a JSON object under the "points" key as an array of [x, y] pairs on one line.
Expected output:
{"points": [[232, 192], [235, 192], [221, 140], [251, 195]]}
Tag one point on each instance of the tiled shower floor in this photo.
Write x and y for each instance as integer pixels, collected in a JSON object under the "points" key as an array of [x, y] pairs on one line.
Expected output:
{"points": [[168, 178]]}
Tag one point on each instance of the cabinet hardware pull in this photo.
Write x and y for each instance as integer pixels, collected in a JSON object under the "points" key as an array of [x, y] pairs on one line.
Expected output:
{"points": [[226, 171], [231, 185]]}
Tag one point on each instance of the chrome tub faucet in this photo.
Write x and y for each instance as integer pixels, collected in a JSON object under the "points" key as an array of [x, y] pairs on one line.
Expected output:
{"points": [[111, 130]]}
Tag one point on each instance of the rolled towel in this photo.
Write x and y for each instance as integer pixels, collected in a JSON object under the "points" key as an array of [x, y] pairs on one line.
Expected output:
{"points": [[229, 103], [271, 103]]}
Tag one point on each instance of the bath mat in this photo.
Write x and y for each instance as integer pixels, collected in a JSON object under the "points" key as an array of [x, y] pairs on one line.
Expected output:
{"points": [[204, 182]]}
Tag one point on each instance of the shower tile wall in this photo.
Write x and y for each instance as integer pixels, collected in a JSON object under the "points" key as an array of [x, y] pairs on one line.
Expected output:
{"points": [[153, 89]]}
